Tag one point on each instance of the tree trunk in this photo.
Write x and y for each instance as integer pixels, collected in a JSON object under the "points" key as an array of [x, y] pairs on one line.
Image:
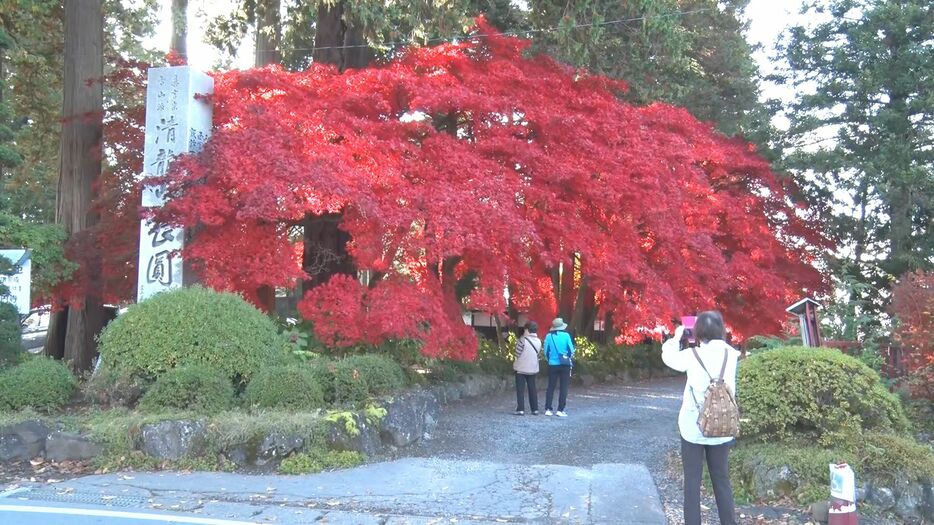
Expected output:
{"points": [[82, 131], [325, 251], [179, 42], [566, 304], [268, 33], [336, 42]]}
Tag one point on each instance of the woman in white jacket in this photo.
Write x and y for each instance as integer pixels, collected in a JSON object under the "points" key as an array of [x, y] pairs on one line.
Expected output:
{"points": [[528, 348], [713, 350]]}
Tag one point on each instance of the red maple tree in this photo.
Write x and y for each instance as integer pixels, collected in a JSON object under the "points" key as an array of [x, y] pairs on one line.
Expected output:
{"points": [[114, 239], [470, 168], [913, 307]]}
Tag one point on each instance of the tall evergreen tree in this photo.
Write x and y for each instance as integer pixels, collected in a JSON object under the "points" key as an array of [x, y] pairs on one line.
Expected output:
{"points": [[860, 135], [73, 330], [690, 53]]}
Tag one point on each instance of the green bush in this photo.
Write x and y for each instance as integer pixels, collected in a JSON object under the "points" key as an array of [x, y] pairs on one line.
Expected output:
{"points": [[115, 388], [891, 458], [296, 387], [192, 387], [820, 393], [40, 383], [350, 385], [359, 376], [452, 370], [192, 326], [318, 460], [11, 337], [322, 369]]}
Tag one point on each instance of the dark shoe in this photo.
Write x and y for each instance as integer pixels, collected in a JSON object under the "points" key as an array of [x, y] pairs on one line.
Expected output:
{"points": [[519, 412], [535, 412]]}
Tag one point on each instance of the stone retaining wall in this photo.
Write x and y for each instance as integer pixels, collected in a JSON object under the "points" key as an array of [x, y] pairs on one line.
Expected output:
{"points": [[408, 416]]}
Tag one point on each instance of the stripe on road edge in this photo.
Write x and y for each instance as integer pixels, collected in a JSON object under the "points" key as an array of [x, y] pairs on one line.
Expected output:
{"points": [[8, 493], [121, 514]]}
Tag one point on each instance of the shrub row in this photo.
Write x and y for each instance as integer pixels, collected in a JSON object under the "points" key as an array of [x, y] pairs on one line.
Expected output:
{"points": [[348, 381]]}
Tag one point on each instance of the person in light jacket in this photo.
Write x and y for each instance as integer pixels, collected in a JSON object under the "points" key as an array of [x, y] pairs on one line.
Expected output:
{"points": [[559, 350], [528, 348], [695, 447]]}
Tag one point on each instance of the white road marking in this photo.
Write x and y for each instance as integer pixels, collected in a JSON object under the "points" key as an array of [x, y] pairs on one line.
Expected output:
{"points": [[120, 514], [8, 493]]}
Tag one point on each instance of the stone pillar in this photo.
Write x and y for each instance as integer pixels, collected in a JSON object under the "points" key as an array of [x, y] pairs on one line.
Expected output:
{"points": [[176, 122]]}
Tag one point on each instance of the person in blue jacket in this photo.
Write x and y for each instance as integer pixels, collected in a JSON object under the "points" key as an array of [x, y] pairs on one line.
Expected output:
{"points": [[559, 350]]}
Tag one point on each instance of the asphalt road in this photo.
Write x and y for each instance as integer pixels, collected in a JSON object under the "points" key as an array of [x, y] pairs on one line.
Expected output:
{"points": [[609, 423]]}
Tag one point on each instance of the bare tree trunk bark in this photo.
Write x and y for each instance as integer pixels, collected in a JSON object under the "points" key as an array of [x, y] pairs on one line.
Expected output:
{"points": [[179, 42], [82, 131], [325, 251], [268, 33], [566, 304]]}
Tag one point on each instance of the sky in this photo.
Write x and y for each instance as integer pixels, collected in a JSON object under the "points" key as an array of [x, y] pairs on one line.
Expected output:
{"points": [[767, 20]]}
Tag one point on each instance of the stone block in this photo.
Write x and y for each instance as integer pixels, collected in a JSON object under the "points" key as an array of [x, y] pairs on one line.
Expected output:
{"points": [[66, 446], [408, 417], [23, 441], [172, 440]]}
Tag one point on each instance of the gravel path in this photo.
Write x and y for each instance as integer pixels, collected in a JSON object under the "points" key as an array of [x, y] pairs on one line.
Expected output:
{"points": [[610, 423]]}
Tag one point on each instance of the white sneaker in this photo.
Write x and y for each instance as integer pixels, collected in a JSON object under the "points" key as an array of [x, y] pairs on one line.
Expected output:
{"points": [[560, 414], [548, 412]]}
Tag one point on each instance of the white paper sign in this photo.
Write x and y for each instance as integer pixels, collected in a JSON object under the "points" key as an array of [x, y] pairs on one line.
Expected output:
{"points": [[20, 283], [176, 122], [842, 482]]}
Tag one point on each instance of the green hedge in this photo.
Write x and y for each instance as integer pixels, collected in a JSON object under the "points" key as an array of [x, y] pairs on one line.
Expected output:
{"points": [[40, 383], [816, 392], [297, 386], [193, 387], [192, 326]]}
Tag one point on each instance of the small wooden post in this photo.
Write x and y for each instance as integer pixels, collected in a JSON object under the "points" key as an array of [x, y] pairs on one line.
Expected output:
{"points": [[806, 310]]}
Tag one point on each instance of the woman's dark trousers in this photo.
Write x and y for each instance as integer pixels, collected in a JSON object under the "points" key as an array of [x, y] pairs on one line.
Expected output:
{"points": [[524, 381], [556, 375], [692, 458]]}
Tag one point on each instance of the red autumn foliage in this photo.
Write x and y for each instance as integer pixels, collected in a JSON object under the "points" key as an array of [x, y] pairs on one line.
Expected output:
{"points": [[913, 306], [474, 159], [114, 239]]}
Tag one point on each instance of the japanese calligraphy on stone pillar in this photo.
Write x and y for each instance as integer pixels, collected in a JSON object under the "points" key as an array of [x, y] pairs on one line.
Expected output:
{"points": [[176, 122]]}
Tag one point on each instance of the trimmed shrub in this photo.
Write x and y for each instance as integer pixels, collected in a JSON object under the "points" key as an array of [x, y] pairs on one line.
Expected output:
{"points": [[891, 458], [11, 337], [40, 383], [293, 386], [383, 375], [193, 387], [114, 388], [359, 376], [323, 371], [192, 326], [350, 385], [820, 393]]}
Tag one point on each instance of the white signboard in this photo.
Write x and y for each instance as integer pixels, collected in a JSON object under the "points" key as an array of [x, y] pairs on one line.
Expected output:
{"points": [[20, 282], [176, 122]]}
